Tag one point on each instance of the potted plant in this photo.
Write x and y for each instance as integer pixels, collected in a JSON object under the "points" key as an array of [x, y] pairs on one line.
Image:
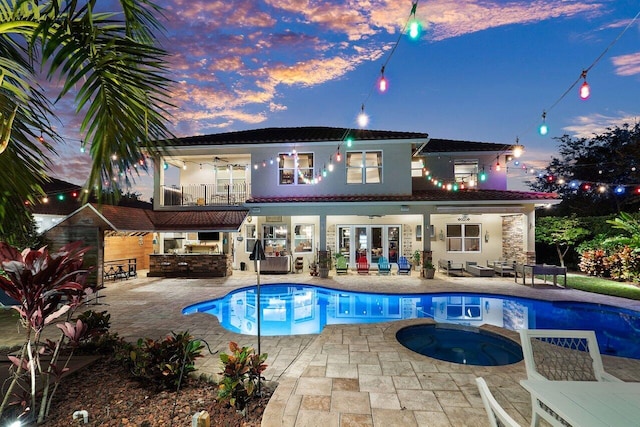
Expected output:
{"points": [[324, 264], [428, 270], [313, 268], [416, 260]]}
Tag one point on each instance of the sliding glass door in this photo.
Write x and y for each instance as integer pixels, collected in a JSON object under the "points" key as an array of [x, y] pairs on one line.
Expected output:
{"points": [[370, 241]]}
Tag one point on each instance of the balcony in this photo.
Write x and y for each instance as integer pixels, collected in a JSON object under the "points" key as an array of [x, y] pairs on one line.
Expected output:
{"points": [[204, 195]]}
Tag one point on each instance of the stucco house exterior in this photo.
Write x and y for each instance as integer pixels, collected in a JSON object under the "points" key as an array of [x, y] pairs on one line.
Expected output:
{"points": [[369, 193]]}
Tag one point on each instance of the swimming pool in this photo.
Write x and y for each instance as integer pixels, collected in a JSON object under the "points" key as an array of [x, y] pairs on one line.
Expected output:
{"points": [[294, 309]]}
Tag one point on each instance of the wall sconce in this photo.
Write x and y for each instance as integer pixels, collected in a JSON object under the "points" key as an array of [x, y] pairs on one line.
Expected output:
{"points": [[486, 236], [441, 235]]}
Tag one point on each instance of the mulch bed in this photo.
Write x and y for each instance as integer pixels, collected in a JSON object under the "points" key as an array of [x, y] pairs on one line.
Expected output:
{"points": [[112, 398]]}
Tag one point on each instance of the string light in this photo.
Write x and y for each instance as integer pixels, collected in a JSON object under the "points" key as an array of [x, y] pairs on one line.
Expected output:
{"points": [[585, 90], [363, 119], [543, 129], [383, 84]]}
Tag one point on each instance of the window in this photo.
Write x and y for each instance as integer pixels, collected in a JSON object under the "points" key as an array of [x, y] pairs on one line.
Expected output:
{"points": [[466, 171], [364, 167], [295, 169], [275, 239], [417, 167], [249, 237], [303, 238], [463, 238]]}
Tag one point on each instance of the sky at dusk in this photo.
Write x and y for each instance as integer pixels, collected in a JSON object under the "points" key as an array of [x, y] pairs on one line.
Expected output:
{"points": [[480, 71]]}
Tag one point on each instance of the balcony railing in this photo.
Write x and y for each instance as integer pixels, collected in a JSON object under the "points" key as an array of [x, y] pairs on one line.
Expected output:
{"points": [[204, 195]]}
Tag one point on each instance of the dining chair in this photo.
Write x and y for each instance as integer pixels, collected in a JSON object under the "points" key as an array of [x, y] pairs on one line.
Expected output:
{"points": [[562, 355], [498, 417]]}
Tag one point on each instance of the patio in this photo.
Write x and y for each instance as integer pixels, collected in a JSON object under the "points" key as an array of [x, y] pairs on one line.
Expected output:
{"points": [[349, 375]]}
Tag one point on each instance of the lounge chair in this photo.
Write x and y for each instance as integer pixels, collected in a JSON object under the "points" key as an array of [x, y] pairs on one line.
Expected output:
{"points": [[450, 266], [383, 266], [362, 265], [403, 266], [562, 355], [342, 266], [497, 415]]}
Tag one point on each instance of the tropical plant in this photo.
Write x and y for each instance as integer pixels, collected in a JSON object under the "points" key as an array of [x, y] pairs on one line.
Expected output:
{"points": [[163, 363], [108, 62], [47, 286], [631, 226], [242, 371], [561, 232]]}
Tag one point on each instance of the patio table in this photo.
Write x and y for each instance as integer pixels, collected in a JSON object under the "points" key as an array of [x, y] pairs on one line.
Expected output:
{"points": [[586, 403]]}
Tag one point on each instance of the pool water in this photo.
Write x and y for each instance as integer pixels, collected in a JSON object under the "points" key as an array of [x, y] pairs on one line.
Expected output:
{"points": [[460, 344], [294, 309]]}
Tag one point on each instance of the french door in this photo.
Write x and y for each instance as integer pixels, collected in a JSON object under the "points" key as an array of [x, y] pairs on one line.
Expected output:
{"points": [[371, 241]]}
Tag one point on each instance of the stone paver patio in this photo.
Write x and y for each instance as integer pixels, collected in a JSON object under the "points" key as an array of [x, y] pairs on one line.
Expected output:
{"points": [[349, 375]]}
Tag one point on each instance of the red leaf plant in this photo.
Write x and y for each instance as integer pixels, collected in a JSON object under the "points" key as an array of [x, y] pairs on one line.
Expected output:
{"points": [[46, 287]]}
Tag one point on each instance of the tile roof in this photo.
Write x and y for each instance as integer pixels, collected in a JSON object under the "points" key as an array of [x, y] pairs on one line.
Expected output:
{"points": [[419, 196], [229, 220], [127, 219], [292, 134], [436, 145]]}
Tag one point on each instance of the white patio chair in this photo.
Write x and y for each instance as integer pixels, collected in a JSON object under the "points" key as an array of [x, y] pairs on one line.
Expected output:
{"points": [[562, 355], [498, 417]]}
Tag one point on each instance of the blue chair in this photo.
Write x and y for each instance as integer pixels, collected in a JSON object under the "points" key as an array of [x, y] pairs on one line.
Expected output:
{"points": [[403, 266], [383, 266]]}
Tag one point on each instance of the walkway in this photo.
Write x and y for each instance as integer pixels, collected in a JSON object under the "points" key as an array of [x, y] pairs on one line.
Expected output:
{"points": [[349, 375]]}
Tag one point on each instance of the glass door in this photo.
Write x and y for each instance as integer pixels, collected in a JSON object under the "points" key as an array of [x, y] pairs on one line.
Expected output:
{"points": [[393, 241], [362, 242], [344, 242], [377, 247]]}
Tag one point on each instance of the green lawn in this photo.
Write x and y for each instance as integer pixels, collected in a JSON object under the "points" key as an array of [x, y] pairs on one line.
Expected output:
{"points": [[603, 286]]}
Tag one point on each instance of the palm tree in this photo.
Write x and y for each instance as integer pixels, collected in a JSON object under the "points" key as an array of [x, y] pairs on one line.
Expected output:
{"points": [[111, 66]]}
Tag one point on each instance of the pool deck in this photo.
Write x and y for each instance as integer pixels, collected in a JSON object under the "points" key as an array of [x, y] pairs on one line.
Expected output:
{"points": [[349, 375]]}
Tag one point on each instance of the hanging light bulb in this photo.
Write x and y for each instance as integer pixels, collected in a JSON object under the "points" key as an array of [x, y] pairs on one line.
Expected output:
{"points": [[585, 90], [184, 166], [41, 138], [383, 84], [543, 129], [363, 119], [483, 176], [517, 149], [349, 142], [165, 165], [414, 24], [338, 157]]}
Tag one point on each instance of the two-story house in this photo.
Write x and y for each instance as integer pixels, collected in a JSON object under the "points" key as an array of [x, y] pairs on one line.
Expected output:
{"points": [[354, 192]]}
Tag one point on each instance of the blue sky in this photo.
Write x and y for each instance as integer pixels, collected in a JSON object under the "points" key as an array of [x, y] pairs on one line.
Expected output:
{"points": [[481, 70]]}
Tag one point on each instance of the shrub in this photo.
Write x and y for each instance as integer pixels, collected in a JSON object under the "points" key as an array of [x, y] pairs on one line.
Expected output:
{"points": [[162, 363], [594, 263], [48, 287], [624, 264], [243, 369]]}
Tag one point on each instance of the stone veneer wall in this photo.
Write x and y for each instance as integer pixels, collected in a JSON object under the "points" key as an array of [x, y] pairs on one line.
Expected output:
{"points": [[513, 229], [200, 265]]}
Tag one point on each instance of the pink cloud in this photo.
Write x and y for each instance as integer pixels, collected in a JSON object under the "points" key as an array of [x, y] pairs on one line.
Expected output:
{"points": [[627, 65]]}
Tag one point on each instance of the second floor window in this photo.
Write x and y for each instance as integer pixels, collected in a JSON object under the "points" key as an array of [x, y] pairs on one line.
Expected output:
{"points": [[364, 167], [466, 171], [295, 168]]}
